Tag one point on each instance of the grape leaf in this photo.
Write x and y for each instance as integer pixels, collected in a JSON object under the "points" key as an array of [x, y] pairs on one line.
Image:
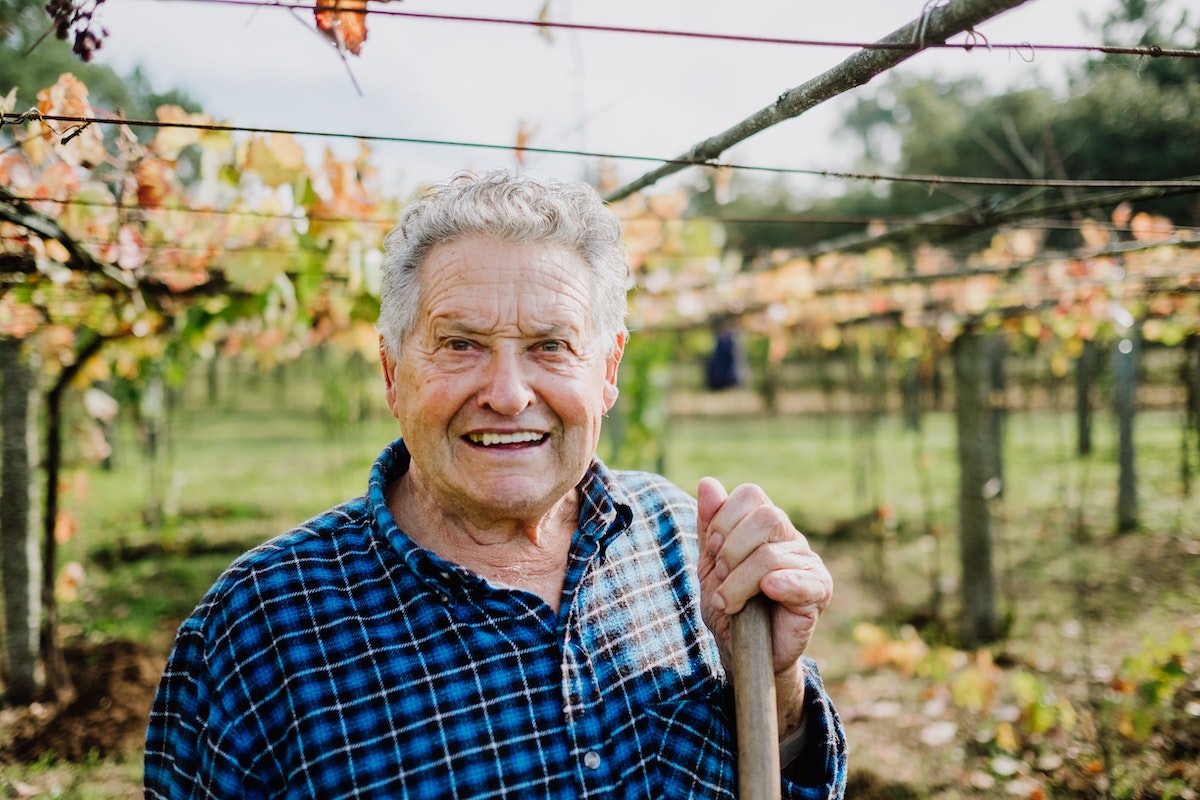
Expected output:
{"points": [[277, 159], [169, 140], [344, 22], [82, 145]]}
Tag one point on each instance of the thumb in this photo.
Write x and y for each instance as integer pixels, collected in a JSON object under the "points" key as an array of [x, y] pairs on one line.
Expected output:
{"points": [[710, 496]]}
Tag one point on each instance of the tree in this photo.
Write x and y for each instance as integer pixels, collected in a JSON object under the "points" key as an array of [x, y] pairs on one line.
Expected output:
{"points": [[1125, 363], [977, 485], [1120, 119], [132, 249], [1143, 23], [19, 559]]}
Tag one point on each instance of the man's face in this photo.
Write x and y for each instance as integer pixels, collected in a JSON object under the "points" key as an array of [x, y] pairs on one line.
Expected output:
{"points": [[501, 387]]}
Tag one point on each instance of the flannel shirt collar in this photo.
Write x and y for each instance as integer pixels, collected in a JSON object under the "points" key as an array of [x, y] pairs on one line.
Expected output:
{"points": [[604, 514]]}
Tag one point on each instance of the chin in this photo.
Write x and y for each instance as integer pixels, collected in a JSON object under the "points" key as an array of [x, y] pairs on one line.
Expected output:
{"points": [[522, 500]]}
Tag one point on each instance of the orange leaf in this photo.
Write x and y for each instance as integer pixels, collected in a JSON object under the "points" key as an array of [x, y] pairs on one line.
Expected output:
{"points": [[18, 319], [65, 527], [153, 182], [344, 22], [524, 134], [81, 145], [70, 581], [1148, 227]]}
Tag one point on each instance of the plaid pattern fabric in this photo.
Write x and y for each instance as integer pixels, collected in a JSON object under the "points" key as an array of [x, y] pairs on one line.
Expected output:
{"points": [[340, 660]]}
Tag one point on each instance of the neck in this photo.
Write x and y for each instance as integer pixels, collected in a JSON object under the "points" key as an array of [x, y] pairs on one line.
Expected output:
{"points": [[526, 552]]}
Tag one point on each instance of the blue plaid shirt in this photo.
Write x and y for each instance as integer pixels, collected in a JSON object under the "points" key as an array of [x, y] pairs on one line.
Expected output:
{"points": [[341, 660]]}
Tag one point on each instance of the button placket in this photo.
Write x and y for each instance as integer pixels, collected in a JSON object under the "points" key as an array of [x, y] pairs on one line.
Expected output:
{"points": [[581, 704]]}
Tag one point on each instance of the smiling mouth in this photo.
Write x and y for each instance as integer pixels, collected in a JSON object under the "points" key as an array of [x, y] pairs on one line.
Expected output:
{"points": [[494, 439]]}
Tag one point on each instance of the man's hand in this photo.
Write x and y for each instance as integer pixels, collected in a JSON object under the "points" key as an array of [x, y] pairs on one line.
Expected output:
{"points": [[748, 545]]}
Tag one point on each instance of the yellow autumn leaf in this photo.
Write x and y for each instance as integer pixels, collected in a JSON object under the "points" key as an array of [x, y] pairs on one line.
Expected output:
{"points": [[277, 158], [37, 148], [1006, 737], [973, 689], [56, 252], [171, 140], [1059, 365], [869, 633], [1031, 326], [830, 338], [1067, 718]]}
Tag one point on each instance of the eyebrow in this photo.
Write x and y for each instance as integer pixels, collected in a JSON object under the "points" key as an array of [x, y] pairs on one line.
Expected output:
{"points": [[462, 326]]}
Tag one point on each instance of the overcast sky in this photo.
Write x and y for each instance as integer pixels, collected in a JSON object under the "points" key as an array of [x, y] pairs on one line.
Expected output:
{"points": [[604, 92]]}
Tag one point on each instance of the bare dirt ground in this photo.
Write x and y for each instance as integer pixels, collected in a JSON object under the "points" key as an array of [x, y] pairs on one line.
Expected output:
{"points": [[115, 684]]}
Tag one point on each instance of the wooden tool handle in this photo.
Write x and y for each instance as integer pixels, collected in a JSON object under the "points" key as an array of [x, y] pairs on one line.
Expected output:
{"points": [[754, 701]]}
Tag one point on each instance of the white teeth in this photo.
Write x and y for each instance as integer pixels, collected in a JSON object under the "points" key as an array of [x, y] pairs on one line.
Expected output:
{"points": [[489, 439]]}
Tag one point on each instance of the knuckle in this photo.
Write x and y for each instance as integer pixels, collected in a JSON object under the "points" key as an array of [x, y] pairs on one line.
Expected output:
{"points": [[750, 493], [774, 522]]}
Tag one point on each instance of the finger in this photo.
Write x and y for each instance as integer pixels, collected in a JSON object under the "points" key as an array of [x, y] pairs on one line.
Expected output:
{"points": [[758, 524], [710, 496], [783, 573], [806, 587]]}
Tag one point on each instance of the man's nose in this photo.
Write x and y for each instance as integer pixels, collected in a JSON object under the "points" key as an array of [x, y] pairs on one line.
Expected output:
{"points": [[506, 388]]}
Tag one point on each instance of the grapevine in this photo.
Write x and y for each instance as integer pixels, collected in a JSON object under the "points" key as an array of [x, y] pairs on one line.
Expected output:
{"points": [[78, 17]]}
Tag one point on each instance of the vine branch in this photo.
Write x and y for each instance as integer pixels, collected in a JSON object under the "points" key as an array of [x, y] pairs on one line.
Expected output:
{"points": [[934, 26]]}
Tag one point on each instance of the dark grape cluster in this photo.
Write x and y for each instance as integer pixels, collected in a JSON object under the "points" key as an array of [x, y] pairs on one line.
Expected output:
{"points": [[77, 16]]}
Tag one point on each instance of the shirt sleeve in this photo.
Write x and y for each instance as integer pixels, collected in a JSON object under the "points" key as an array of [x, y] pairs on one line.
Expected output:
{"points": [[819, 771], [188, 748]]}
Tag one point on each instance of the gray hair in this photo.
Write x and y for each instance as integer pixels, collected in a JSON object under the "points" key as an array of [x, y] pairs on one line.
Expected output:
{"points": [[513, 209]]}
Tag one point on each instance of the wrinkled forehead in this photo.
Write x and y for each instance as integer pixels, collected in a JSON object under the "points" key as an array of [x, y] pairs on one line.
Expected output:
{"points": [[492, 283]]}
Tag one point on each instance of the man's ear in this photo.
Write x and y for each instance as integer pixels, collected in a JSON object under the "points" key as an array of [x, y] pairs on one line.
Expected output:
{"points": [[611, 362], [389, 376]]}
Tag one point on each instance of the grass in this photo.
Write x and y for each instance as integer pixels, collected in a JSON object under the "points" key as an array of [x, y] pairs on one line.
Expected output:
{"points": [[811, 466], [248, 467], [108, 779]]}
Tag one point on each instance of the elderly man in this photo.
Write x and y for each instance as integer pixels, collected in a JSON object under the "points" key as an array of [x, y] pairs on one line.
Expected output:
{"points": [[500, 615]]}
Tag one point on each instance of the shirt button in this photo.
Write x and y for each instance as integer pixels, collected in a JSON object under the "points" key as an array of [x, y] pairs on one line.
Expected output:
{"points": [[591, 759]]}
